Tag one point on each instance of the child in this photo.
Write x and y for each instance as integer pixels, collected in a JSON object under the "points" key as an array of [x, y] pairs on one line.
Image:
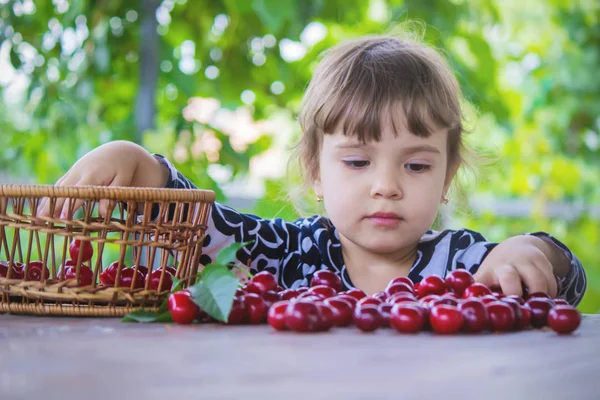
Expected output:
{"points": [[381, 144]]}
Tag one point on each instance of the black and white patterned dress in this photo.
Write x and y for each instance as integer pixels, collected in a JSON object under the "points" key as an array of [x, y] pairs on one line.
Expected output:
{"points": [[293, 251]]}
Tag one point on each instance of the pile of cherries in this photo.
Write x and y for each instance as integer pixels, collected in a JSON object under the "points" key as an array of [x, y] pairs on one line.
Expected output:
{"points": [[445, 306], [37, 271]]}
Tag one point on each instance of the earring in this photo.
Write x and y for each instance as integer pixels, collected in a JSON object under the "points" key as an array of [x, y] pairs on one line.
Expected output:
{"points": [[445, 201], [319, 197]]}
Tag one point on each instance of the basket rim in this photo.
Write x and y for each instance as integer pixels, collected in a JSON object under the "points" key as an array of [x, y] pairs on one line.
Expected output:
{"points": [[119, 193]]}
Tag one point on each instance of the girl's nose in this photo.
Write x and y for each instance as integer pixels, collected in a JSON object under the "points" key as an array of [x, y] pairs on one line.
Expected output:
{"points": [[386, 184]]}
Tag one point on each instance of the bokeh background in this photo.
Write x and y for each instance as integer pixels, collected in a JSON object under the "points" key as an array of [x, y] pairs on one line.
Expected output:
{"points": [[215, 86]]}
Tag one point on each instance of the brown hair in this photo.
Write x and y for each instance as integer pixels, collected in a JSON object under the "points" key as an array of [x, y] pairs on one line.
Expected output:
{"points": [[362, 82]]}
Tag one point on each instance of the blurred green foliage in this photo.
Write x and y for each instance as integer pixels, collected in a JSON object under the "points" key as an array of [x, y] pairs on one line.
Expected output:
{"points": [[528, 70]]}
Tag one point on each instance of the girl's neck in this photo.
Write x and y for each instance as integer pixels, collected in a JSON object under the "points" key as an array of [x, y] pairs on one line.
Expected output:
{"points": [[372, 272]]}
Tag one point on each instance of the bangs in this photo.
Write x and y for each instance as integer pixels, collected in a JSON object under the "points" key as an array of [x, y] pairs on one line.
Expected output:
{"points": [[390, 83]]}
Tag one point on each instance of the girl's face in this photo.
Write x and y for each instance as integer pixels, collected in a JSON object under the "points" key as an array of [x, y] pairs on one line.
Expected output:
{"points": [[383, 196]]}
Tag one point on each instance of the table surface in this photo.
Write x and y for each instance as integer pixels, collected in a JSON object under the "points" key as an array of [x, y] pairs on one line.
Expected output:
{"points": [[88, 358]]}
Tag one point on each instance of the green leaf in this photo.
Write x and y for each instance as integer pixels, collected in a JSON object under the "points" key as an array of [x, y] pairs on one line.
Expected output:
{"points": [[227, 254], [215, 291], [176, 284], [147, 316]]}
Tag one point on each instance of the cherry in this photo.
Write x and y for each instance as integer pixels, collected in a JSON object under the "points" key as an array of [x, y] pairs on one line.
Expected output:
{"points": [[301, 290], [428, 299], [446, 319], [384, 311], [380, 296], [403, 279], [502, 316], [368, 300], [253, 287], [431, 284], [302, 316], [514, 304], [352, 300], [127, 277], [476, 290], [564, 319], [265, 281], [36, 270], [518, 299], [476, 315], [322, 291], [16, 272], [183, 309], [238, 314], [270, 297], [458, 280], [255, 308], [143, 269], [108, 276], [155, 280], [326, 317], [488, 298], [367, 318], [525, 317], [327, 278], [288, 294], [342, 311], [540, 307], [171, 270], [276, 315], [401, 297], [560, 302], [86, 275], [443, 300], [356, 293], [397, 288], [279, 289], [77, 246], [407, 318]]}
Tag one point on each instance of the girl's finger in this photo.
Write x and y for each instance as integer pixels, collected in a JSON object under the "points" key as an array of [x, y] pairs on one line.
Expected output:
{"points": [[509, 280], [533, 278]]}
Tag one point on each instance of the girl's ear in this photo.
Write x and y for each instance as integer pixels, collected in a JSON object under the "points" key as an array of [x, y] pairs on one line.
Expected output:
{"points": [[450, 174]]}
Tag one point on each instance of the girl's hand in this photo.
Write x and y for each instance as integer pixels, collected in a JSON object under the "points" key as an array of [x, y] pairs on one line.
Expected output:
{"points": [[520, 259], [117, 163]]}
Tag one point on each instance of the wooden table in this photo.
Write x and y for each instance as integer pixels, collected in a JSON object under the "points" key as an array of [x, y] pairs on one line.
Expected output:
{"points": [[69, 358]]}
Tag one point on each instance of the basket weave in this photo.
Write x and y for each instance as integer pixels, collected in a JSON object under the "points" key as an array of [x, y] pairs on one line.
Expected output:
{"points": [[150, 227]]}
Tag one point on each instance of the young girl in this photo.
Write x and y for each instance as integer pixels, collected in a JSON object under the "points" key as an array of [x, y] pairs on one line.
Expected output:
{"points": [[381, 144]]}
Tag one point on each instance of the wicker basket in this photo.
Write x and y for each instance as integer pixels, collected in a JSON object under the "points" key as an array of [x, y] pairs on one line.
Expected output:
{"points": [[143, 227]]}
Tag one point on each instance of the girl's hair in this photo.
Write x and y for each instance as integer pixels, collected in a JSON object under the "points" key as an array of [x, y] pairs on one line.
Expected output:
{"points": [[365, 83]]}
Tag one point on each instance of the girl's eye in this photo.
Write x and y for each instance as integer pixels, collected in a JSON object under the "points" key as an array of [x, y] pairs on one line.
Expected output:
{"points": [[356, 163], [418, 167]]}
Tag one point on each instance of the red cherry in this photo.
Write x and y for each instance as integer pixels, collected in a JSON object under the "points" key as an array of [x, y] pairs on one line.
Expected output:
{"points": [[171, 270], [516, 298], [401, 297], [253, 287], [327, 278], [276, 315], [476, 290], [380, 296], [302, 316], [352, 300], [35, 271], [407, 318], [367, 318], [86, 275], [288, 294], [458, 280], [238, 314], [443, 300], [301, 290], [342, 311], [560, 302], [326, 317], [279, 289], [403, 279], [525, 318], [428, 299], [514, 304], [183, 309], [271, 297], [322, 291], [488, 298], [265, 280], [431, 284], [108, 276], [384, 311], [127, 277], [476, 315], [397, 288], [502, 316], [356, 293], [368, 300], [255, 308], [446, 319], [155, 281], [77, 246], [16, 272], [143, 269], [540, 307], [564, 319]]}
